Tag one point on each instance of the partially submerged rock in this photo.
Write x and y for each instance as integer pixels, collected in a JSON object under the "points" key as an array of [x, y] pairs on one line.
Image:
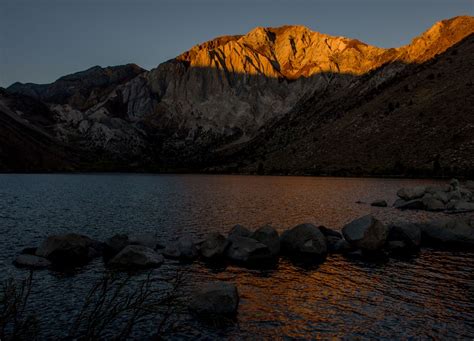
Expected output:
{"points": [[249, 251], [410, 205], [448, 232], [136, 257], [304, 241], [433, 204], [453, 197], [366, 233], [239, 231], [115, 244], [183, 249], [31, 261], [462, 206], [379, 203], [268, 236], [408, 233], [214, 246], [29, 251], [68, 249], [411, 193], [215, 299]]}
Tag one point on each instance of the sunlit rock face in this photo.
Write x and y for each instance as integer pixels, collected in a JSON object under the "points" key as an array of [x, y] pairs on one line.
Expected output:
{"points": [[224, 92], [233, 86]]}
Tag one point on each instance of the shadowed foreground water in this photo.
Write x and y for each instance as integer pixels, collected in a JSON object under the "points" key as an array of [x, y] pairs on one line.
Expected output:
{"points": [[428, 296]]}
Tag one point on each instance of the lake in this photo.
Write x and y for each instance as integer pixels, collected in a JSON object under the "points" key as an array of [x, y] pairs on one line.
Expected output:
{"points": [[428, 296]]}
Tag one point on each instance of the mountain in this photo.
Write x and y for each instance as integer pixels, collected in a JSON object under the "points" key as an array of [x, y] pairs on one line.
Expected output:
{"points": [[230, 103], [81, 89], [419, 123], [26, 141]]}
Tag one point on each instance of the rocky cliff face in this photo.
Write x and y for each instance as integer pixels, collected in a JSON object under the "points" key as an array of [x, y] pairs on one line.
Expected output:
{"points": [[418, 123], [225, 93]]}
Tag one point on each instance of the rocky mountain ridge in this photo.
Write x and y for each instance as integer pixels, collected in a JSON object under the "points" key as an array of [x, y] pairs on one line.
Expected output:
{"points": [[224, 93]]}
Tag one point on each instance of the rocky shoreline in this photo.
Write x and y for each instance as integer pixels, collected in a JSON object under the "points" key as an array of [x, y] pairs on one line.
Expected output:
{"points": [[364, 238], [451, 198]]}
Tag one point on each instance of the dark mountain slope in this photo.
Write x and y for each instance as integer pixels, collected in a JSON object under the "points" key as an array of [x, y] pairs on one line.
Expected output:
{"points": [[421, 122], [82, 89], [26, 143]]}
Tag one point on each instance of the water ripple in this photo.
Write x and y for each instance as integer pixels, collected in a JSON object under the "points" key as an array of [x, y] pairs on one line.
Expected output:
{"points": [[428, 296]]}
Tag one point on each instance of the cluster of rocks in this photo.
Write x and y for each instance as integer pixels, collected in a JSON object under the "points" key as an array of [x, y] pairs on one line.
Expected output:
{"points": [[260, 248], [453, 198], [364, 237]]}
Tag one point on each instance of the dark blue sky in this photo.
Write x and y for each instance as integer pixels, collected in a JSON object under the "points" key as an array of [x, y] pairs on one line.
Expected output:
{"points": [[41, 40]]}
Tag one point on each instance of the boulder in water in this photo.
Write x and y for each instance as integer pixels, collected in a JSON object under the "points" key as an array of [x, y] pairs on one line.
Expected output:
{"points": [[115, 244], [268, 236], [239, 231], [366, 233], [249, 252], [411, 205], [304, 241], [183, 249], [67, 249], [462, 206], [214, 246], [408, 233], [136, 257], [379, 203], [432, 204], [31, 261], [448, 232], [215, 299], [411, 193]]}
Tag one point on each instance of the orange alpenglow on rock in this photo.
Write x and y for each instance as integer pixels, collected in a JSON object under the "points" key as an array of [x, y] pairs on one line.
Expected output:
{"points": [[295, 51]]}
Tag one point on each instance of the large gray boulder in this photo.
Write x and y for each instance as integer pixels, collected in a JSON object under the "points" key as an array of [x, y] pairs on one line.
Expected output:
{"points": [[411, 193], [239, 231], [184, 249], [214, 246], [448, 232], [115, 244], [432, 204], [31, 261], [248, 251], [304, 241], [408, 233], [268, 236], [68, 249], [366, 233], [215, 299], [462, 206], [136, 257], [441, 196]]}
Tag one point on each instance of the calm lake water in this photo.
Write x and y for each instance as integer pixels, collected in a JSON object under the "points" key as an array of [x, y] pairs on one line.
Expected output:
{"points": [[429, 296]]}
